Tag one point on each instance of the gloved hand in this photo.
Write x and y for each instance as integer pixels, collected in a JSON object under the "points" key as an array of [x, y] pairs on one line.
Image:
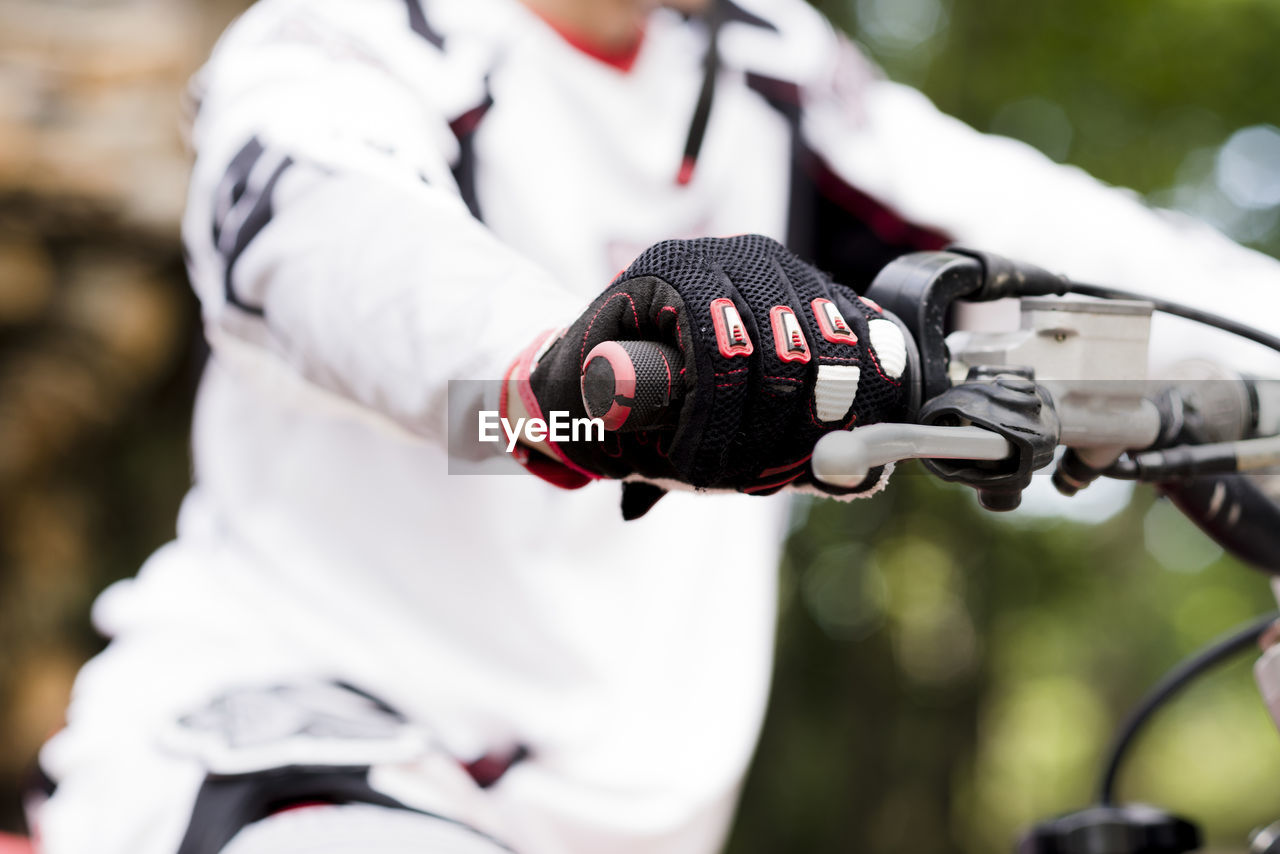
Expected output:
{"points": [[775, 355]]}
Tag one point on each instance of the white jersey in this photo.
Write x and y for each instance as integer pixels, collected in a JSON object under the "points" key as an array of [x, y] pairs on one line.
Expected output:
{"points": [[392, 198]]}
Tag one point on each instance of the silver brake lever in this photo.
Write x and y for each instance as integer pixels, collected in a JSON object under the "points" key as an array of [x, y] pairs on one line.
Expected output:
{"points": [[844, 458]]}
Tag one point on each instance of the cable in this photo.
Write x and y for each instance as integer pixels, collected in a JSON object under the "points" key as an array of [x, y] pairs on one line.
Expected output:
{"points": [[1177, 309], [1174, 681]]}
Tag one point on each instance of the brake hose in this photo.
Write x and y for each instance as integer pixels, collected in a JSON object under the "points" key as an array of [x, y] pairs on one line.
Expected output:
{"points": [[1175, 680]]}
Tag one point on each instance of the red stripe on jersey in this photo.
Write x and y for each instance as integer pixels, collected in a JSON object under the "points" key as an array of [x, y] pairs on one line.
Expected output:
{"points": [[685, 175], [466, 124]]}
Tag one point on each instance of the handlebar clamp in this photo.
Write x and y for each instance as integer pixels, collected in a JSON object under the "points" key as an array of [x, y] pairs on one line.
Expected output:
{"points": [[920, 288]]}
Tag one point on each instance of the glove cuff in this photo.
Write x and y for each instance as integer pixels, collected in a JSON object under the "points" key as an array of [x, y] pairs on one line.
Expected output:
{"points": [[557, 469], [877, 481]]}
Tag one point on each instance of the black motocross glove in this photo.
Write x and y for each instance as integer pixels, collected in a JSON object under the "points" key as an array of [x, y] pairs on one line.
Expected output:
{"points": [[774, 355]]}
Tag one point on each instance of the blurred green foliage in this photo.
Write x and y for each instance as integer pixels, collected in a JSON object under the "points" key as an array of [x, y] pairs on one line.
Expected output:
{"points": [[947, 676], [1139, 93]]}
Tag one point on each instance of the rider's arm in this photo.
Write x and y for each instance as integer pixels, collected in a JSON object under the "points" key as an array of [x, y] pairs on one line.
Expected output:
{"points": [[998, 194], [325, 230]]}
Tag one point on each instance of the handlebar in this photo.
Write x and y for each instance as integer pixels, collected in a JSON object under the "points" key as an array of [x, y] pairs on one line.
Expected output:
{"points": [[1088, 354], [633, 385]]}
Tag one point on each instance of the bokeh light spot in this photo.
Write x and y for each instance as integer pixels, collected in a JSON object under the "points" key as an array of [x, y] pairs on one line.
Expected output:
{"points": [[1176, 543], [1248, 167]]}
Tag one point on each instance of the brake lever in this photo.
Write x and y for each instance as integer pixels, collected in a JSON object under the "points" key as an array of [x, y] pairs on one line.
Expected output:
{"points": [[844, 458]]}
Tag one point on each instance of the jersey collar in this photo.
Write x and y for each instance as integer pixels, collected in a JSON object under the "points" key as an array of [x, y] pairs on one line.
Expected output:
{"points": [[622, 59]]}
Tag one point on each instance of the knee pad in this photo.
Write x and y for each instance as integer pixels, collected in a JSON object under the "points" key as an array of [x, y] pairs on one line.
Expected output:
{"points": [[300, 756]]}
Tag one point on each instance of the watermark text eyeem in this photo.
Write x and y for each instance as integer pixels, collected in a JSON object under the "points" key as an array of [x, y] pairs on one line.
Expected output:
{"points": [[558, 428]]}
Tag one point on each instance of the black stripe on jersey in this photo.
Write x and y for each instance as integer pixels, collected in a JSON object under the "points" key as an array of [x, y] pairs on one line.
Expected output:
{"points": [[831, 223], [464, 171], [233, 185], [251, 208], [378, 703], [706, 98], [419, 24], [782, 95], [37, 783], [731, 11]]}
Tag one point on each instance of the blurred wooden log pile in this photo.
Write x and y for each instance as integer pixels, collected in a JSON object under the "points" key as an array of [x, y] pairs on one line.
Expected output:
{"points": [[95, 321]]}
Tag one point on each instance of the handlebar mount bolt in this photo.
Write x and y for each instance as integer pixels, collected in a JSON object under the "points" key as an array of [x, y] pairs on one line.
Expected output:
{"points": [[999, 501]]}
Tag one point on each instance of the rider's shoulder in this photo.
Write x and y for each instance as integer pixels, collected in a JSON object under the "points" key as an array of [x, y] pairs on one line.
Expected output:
{"points": [[789, 40], [359, 24], [790, 19]]}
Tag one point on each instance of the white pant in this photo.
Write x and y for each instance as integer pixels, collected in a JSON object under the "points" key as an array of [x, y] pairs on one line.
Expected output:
{"points": [[216, 668], [358, 829], [167, 707]]}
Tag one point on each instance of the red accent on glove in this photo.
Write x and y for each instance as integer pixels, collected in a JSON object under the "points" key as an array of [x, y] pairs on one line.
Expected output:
{"points": [[562, 471]]}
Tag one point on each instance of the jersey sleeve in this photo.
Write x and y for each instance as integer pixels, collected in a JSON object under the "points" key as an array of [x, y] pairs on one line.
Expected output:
{"points": [[929, 175], [325, 231]]}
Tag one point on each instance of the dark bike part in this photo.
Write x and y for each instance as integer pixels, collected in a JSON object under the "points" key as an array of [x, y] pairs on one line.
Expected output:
{"points": [[632, 385], [1265, 840], [1073, 474], [1130, 829], [1236, 511], [1200, 422], [1241, 512], [1182, 461], [920, 288], [1215, 405], [1004, 277], [1013, 406], [1000, 501], [981, 373], [1171, 683]]}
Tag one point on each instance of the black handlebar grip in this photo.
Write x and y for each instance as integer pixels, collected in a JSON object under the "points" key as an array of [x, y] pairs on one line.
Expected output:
{"points": [[631, 385]]}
